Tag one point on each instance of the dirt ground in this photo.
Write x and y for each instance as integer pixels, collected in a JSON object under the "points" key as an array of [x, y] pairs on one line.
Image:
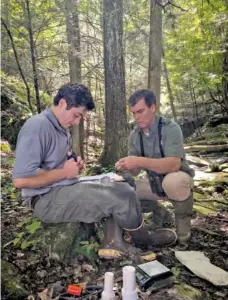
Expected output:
{"points": [[38, 272]]}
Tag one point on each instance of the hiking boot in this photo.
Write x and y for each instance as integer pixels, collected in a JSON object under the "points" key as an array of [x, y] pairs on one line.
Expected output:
{"points": [[183, 225], [158, 238], [160, 214], [183, 213], [114, 245], [113, 236]]}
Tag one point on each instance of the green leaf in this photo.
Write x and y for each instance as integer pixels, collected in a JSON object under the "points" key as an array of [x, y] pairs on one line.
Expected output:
{"points": [[26, 244], [34, 226], [84, 243], [18, 238], [13, 195], [25, 221], [176, 272]]}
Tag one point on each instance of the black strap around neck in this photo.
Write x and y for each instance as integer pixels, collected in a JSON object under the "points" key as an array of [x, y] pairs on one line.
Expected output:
{"points": [[159, 137]]}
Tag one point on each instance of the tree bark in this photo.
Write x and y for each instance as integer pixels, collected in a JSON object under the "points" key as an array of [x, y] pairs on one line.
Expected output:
{"points": [[155, 49], [33, 56], [74, 56], [225, 76], [115, 103], [171, 97], [196, 108], [180, 100], [19, 66]]}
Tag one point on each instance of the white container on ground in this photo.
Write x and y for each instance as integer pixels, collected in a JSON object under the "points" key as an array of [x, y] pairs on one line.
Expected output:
{"points": [[108, 293], [129, 284]]}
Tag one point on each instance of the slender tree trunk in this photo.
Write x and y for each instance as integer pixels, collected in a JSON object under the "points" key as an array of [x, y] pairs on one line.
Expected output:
{"points": [[225, 69], [115, 103], [155, 49], [171, 98], [19, 66], [6, 43], [74, 56], [179, 100], [33, 56], [89, 86], [225, 76], [193, 97]]}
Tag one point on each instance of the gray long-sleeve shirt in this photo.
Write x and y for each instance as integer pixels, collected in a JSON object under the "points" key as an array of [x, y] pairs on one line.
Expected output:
{"points": [[42, 144]]}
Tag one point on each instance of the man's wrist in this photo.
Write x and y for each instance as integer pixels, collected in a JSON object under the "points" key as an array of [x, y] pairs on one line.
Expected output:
{"points": [[142, 162]]}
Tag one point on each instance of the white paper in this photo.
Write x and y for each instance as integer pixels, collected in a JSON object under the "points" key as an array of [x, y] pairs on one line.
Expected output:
{"points": [[105, 177], [200, 265]]}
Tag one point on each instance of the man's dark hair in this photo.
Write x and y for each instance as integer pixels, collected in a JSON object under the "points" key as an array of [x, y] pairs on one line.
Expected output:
{"points": [[145, 94], [75, 95]]}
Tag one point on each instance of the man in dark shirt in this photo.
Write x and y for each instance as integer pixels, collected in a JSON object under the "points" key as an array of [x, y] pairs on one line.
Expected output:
{"points": [[156, 145]]}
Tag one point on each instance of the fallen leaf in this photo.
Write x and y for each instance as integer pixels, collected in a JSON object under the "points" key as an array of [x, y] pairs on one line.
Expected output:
{"points": [[46, 294], [87, 267]]}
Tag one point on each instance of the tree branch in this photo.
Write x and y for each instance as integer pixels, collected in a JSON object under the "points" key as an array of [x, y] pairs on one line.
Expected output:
{"points": [[171, 3]]}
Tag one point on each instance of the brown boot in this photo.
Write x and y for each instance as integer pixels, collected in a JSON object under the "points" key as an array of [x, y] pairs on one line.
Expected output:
{"points": [[114, 245], [160, 214], [158, 238], [183, 213]]}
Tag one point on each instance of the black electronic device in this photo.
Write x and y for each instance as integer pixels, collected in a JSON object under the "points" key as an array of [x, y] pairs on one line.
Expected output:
{"points": [[153, 275]]}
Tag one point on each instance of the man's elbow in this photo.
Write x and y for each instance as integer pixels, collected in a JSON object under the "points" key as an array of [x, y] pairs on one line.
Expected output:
{"points": [[18, 183], [176, 165]]}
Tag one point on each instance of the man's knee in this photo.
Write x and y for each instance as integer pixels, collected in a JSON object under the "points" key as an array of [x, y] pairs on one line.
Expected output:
{"points": [[178, 186], [127, 212], [143, 190]]}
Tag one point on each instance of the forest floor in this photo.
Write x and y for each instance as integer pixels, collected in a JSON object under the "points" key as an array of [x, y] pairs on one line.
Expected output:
{"points": [[46, 279]]}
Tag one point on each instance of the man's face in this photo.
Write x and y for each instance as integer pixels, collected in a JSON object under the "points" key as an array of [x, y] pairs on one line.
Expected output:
{"points": [[70, 117], [143, 115]]}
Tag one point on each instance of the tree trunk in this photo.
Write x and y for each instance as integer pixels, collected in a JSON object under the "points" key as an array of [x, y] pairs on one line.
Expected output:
{"points": [[225, 70], [171, 98], [18, 65], [115, 103], [155, 49], [74, 56], [33, 56], [195, 111], [180, 100], [225, 76]]}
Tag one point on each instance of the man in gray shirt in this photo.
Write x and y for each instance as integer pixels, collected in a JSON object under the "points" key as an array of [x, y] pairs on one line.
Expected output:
{"points": [[156, 145], [49, 179]]}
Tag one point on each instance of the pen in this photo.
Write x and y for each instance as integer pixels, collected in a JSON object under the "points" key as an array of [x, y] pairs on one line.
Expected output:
{"points": [[73, 155]]}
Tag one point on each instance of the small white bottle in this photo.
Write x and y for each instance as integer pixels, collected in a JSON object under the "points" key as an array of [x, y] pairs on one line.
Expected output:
{"points": [[108, 293], [129, 284]]}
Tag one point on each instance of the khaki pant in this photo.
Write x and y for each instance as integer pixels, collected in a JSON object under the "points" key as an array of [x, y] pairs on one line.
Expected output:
{"points": [[177, 186]]}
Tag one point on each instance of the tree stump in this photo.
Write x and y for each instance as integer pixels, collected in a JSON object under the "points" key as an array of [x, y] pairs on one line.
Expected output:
{"points": [[60, 240]]}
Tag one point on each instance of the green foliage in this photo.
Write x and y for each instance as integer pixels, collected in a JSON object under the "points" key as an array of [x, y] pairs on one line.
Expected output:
{"points": [[195, 45], [5, 147], [24, 238], [9, 191], [176, 272], [87, 249]]}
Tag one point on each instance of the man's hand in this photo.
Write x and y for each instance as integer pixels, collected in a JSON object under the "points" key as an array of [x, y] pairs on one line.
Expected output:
{"points": [[78, 159], [71, 169], [81, 164], [128, 163]]}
